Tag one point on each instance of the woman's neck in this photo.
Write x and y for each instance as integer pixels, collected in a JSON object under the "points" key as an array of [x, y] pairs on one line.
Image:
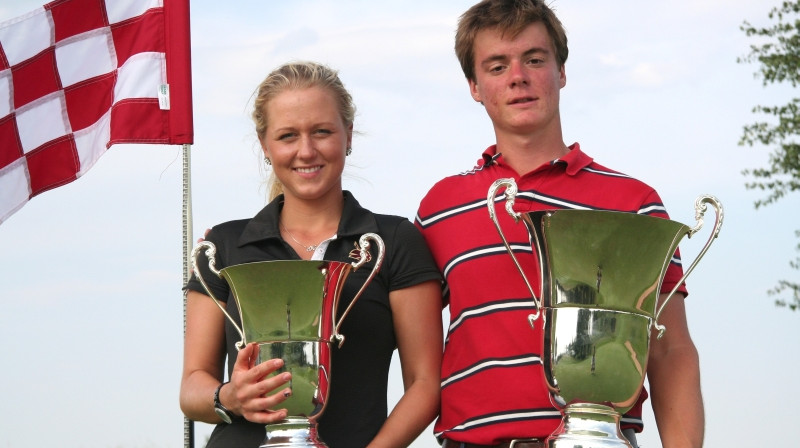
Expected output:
{"points": [[305, 224]]}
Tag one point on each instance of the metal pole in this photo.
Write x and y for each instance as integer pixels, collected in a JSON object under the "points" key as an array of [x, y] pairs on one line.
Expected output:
{"points": [[188, 425]]}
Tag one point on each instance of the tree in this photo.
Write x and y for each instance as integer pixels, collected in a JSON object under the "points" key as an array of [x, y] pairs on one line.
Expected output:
{"points": [[779, 60]]}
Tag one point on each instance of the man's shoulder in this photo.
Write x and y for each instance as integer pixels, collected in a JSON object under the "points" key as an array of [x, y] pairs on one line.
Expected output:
{"points": [[598, 169], [579, 162], [477, 174], [611, 190], [462, 184]]}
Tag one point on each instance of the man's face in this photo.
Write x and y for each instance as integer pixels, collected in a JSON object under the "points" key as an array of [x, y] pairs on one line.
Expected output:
{"points": [[518, 79]]}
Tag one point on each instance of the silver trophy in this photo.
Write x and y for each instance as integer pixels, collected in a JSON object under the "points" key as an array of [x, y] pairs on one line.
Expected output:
{"points": [[600, 274], [289, 308]]}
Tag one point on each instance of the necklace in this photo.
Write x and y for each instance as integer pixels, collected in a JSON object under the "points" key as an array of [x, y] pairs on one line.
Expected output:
{"points": [[310, 248]]}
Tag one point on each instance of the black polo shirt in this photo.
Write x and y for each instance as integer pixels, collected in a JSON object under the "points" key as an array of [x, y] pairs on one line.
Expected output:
{"points": [[357, 404]]}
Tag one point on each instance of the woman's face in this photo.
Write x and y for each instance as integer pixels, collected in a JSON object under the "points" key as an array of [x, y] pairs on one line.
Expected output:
{"points": [[306, 141]]}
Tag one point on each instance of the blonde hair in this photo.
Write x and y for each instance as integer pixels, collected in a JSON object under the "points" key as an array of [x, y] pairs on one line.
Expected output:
{"points": [[298, 75]]}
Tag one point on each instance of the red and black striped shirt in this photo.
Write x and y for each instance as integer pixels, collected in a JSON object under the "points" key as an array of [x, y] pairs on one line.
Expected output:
{"points": [[493, 386]]}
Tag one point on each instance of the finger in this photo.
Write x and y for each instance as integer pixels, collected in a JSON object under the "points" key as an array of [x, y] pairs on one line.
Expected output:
{"points": [[273, 386], [256, 383], [268, 416], [246, 357], [267, 367], [262, 409], [253, 354], [205, 235]]}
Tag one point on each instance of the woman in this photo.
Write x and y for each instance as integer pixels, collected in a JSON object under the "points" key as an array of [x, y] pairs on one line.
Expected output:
{"points": [[304, 122]]}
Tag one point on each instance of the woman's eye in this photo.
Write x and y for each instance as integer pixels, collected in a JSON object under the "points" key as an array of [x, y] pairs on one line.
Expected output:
{"points": [[285, 136]]}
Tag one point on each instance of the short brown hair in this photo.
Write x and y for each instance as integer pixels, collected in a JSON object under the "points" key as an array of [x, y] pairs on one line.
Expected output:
{"points": [[507, 16]]}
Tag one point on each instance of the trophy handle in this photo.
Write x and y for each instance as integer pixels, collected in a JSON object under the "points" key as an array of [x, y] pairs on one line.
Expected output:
{"points": [[699, 210], [211, 252], [363, 257], [511, 193]]}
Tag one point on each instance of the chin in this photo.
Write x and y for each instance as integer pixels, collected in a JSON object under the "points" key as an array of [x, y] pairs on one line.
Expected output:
{"points": [[314, 194]]}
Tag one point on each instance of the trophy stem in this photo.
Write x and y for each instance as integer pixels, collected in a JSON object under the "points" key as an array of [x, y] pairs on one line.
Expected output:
{"points": [[588, 425], [293, 432]]}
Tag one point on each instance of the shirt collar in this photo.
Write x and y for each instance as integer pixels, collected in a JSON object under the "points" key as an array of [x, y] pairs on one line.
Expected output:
{"points": [[355, 220], [575, 160]]}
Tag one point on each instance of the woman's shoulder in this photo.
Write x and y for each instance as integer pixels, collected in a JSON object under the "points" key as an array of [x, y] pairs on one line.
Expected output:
{"points": [[392, 224], [228, 227], [390, 220], [263, 221], [398, 232], [358, 216], [227, 231]]}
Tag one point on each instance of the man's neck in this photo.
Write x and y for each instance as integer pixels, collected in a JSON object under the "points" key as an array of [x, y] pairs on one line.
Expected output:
{"points": [[526, 153]]}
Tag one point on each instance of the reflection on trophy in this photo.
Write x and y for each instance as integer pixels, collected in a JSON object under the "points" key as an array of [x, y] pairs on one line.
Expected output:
{"points": [[601, 276], [289, 308]]}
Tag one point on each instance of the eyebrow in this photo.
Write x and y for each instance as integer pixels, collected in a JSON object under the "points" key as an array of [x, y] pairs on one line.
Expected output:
{"points": [[503, 57], [537, 50]]}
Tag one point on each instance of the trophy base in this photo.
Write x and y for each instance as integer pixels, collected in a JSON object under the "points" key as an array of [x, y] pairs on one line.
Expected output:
{"points": [[588, 425], [293, 432]]}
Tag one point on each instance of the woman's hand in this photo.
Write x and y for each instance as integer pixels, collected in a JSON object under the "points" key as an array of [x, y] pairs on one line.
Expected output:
{"points": [[203, 369], [252, 393]]}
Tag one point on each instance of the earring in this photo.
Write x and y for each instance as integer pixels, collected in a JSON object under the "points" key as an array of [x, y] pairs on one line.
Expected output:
{"points": [[267, 161], [348, 151]]}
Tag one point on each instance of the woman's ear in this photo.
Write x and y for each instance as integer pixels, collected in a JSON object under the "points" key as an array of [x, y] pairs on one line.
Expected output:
{"points": [[263, 148], [350, 136]]}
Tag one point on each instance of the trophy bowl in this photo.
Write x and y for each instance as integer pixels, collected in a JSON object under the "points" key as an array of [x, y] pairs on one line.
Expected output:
{"points": [[288, 307], [601, 275]]}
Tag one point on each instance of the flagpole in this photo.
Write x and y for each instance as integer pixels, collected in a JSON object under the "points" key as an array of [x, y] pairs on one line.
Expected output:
{"points": [[188, 425]]}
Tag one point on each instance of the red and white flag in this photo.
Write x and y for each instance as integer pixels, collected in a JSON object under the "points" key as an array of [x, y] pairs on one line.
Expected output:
{"points": [[77, 76]]}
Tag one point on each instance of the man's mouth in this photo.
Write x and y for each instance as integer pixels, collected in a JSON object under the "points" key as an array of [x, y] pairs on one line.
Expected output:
{"points": [[522, 100]]}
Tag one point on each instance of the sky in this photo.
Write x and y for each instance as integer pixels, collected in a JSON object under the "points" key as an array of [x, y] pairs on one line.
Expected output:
{"points": [[92, 321]]}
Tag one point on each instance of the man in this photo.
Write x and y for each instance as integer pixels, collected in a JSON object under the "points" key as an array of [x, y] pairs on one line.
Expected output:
{"points": [[493, 390]]}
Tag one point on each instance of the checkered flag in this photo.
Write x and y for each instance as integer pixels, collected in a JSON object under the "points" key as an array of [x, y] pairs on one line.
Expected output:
{"points": [[77, 76]]}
